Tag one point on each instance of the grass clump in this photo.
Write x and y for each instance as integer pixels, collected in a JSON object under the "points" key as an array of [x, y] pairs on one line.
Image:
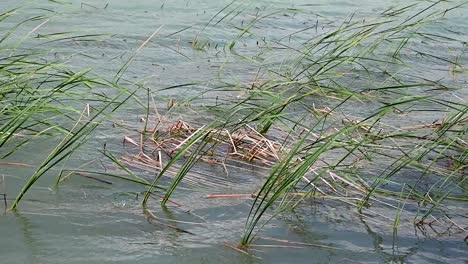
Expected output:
{"points": [[43, 97], [347, 116], [338, 151], [351, 111]]}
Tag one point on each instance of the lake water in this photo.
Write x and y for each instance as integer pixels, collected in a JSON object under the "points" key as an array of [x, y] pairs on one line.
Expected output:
{"points": [[84, 221]]}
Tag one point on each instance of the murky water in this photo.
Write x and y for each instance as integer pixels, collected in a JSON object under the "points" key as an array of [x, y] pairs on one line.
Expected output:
{"points": [[87, 221]]}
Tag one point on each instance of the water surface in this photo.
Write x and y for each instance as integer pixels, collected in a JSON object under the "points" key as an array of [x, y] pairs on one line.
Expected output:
{"points": [[87, 221]]}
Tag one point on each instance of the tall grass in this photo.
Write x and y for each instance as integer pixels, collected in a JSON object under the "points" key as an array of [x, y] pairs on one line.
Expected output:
{"points": [[349, 107], [43, 97], [406, 155]]}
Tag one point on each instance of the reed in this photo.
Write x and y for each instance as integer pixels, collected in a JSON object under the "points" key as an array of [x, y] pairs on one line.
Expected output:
{"points": [[300, 121], [334, 151], [43, 97]]}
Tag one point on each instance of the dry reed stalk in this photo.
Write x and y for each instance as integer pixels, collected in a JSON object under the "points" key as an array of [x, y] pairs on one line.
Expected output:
{"points": [[244, 145], [130, 140], [17, 164], [432, 125], [233, 195], [236, 248], [295, 242]]}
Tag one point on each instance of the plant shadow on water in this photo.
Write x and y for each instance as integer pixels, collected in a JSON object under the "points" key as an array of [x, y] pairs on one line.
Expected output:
{"points": [[242, 133]]}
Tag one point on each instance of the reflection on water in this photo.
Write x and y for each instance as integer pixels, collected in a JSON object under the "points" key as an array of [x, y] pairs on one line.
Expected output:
{"points": [[87, 221]]}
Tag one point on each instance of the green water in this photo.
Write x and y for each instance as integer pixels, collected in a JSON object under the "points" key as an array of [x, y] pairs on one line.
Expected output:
{"points": [[84, 221]]}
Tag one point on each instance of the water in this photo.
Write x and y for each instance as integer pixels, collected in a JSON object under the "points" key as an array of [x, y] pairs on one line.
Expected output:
{"points": [[88, 221]]}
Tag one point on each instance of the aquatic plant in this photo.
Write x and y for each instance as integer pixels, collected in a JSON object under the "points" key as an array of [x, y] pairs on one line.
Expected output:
{"points": [[41, 96], [328, 156], [329, 150], [338, 119]]}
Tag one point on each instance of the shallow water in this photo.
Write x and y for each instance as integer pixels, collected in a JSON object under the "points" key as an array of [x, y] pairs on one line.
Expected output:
{"points": [[88, 221]]}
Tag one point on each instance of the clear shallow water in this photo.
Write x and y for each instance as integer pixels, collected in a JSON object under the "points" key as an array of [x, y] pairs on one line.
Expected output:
{"points": [[80, 223], [87, 221]]}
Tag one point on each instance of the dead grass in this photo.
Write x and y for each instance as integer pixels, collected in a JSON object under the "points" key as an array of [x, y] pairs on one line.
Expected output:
{"points": [[157, 146]]}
